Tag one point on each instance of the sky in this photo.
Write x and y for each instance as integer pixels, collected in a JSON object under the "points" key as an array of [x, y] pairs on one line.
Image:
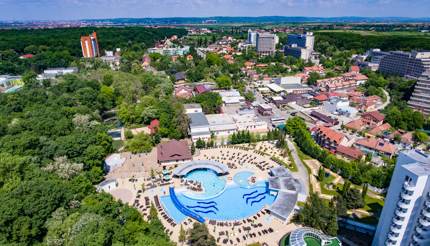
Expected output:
{"points": [[93, 9]]}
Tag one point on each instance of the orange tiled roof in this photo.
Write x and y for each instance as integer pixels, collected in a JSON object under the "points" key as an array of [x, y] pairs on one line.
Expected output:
{"points": [[378, 145], [330, 134], [355, 124], [350, 152], [380, 129]]}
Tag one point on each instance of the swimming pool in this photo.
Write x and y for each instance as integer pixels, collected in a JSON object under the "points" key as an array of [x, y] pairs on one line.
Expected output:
{"points": [[242, 179], [234, 203], [212, 184]]}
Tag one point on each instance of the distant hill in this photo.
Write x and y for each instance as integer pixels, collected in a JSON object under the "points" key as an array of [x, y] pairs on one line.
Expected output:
{"points": [[261, 19]]}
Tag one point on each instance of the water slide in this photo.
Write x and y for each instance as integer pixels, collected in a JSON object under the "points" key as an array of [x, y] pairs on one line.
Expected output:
{"points": [[253, 197], [183, 209], [257, 201], [211, 202], [249, 194], [204, 207]]}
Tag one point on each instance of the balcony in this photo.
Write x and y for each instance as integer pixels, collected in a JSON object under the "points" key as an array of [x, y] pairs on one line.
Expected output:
{"points": [[406, 196], [427, 204], [423, 222], [397, 221], [419, 230], [393, 236], [401, 212], [403, 204], [390, 243], [426, 214], [417, 238], [395, 228], [407, 186]]}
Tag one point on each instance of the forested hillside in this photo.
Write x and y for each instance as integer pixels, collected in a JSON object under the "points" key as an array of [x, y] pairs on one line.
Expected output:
{"points": [[61, 47], [362, 41], [52, 145]]}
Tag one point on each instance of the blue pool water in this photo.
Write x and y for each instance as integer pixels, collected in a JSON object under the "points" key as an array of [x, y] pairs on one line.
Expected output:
{"points": [[241, 178], [212, 184], [234, 203]]}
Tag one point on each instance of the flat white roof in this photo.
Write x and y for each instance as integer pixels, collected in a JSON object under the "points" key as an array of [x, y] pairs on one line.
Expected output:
{"points": [[274, 87], [219, 122]]}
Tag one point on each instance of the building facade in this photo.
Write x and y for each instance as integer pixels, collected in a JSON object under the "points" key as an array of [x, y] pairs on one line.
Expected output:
{"points": [[412, 64], [302, 40], [420, 99], [90, 46], [252, 37], [300, 46], [405, 218], [266, 43]]}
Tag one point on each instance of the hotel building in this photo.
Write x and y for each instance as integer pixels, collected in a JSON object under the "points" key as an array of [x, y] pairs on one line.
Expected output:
{"points": [[405, 218], [420, 99], [90, 46]]}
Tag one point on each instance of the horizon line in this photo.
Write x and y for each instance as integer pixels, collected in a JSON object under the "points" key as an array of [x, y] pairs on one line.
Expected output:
{"points": [[220, 16]]}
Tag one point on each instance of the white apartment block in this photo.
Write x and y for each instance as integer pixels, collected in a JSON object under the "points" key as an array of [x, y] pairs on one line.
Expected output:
{"points": [[405, 218]]}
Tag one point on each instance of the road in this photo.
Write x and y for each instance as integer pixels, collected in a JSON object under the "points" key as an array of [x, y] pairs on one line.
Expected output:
{"points": [[302, 173], [385, 104]]}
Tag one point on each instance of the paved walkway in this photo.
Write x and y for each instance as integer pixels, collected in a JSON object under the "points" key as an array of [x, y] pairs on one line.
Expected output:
{"points": [[302, 173], [385, 104]]}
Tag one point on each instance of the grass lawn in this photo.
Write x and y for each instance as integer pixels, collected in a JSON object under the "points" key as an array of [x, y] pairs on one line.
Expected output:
{"points": [[325, 182], [117, 144], [373, 205]]}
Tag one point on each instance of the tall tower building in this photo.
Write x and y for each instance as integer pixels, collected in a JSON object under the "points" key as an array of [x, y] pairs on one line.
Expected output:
{"points": [[405, 218], [420, 99], [266, 43], [252, 37], [90, 46], [300, 45], [302, 40]]}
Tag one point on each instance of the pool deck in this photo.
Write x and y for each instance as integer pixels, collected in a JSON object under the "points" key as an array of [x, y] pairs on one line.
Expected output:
{"points": [[238, 159]]}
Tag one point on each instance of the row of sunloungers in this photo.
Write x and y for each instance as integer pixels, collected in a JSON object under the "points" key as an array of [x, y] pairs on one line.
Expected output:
{"points": [[164, 214], [142, 207]]}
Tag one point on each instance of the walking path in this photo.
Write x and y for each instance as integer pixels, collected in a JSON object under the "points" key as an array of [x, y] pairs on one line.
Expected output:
{"points": [[302, 173], [385, 104]]}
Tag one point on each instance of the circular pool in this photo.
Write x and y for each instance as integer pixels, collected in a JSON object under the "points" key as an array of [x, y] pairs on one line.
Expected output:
{"points": [[242, 179], [212, 184]]}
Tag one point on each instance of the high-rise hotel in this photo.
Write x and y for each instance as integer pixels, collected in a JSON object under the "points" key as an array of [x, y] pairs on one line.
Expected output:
{"points": [[420, 99], [90, 46], [405, 218]]}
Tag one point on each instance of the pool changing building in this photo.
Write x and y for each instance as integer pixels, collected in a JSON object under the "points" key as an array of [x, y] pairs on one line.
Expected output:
{"points": [[287, 190], [405, 218]]}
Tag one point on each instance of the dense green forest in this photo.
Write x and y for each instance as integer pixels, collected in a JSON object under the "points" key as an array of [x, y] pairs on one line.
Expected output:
{"points": [[61, 47], [361, 42], [52, 145]]}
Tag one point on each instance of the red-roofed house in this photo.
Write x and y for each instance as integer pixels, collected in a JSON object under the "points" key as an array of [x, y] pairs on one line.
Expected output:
{"points": [[376, 145], [373, 118], [315, 69], [379, 130], [355, 125], [154, 126], [354, 69], [26, 56], [328, 138], [200, 89], [173, 152], [349, 152], [183, 92], [321, 97]]}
